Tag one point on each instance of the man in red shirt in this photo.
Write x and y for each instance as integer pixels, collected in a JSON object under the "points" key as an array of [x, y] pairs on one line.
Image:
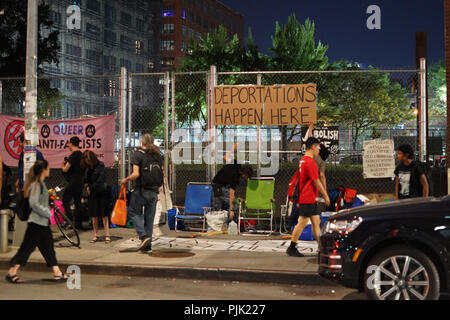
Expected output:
{"points": [[309, 188]]}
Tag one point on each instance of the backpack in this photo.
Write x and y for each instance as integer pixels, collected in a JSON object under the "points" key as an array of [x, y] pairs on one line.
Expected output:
{"points": [[151, 174], [23, 208], [293, 188], [427, 171]]}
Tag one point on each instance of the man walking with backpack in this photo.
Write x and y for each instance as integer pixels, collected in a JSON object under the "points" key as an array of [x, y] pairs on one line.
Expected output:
{"points": [[410, 178], [309, 187], [148, 173]]}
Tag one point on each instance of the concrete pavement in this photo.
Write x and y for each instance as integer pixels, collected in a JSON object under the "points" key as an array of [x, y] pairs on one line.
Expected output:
{"points": [[178, 262]]}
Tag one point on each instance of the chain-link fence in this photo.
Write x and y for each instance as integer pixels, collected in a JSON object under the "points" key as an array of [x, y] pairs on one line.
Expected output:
{"points": [[176, 109], [63, 98]]}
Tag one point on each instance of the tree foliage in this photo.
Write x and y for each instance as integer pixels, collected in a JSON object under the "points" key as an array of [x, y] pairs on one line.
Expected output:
{"points": [[437, 90]]}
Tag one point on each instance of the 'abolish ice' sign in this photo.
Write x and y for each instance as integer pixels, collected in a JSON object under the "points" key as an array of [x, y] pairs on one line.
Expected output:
{"points": [[329, 136]]}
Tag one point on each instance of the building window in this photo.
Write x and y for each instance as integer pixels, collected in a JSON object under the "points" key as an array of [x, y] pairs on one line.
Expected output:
{"points": [[139, 67], [125, 63], [150, 65], [125, 42], [205, 24], [167, 45], [125, 19], [73, 85], [110, 63], [139, 46], [110, 88], [93, 5], [168, 61], [183, 47], [110, 37], [168, 28], [191, 33], [140, 25], [198, 35], [199, 21], [184, 30], [138, 94], [110, 13], [55, 17], [55, 83], [93, 55], [73, 50], [91, 88], [92, 30], [168, 12], [183, 14], [191, 17]]}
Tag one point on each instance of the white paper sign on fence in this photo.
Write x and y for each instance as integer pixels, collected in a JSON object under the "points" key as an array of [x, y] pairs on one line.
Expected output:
{"points": [[378, 159]]}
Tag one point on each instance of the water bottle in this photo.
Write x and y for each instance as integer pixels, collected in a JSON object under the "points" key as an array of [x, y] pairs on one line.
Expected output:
{"points": [[232, 228]]}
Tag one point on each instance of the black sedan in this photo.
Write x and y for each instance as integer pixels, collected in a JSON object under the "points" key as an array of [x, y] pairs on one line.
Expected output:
{"points": [[392, 251]]}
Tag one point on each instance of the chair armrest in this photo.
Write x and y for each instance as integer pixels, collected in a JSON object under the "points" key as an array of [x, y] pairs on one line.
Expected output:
{"points": [[178, 207]]}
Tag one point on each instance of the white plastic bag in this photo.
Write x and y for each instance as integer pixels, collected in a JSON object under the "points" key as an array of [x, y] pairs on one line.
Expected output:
{"points": [[217, 220], [232, 229]]}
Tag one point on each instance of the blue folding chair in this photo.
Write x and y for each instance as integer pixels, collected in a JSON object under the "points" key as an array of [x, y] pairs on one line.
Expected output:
{"points": [[197, 203]]}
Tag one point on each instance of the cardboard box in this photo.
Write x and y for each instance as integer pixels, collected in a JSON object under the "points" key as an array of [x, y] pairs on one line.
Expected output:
{"points": [[379, 197]]}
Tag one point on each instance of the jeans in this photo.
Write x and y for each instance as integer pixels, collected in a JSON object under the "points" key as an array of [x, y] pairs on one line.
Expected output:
{"points": [[222, 202], [143, 223]]}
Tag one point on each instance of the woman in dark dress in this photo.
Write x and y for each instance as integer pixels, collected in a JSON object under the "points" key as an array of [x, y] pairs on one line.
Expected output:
{"points": [[95, 182]]}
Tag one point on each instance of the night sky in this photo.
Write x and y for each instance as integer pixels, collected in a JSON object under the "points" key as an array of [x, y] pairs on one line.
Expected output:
{"points": [[342, 26]]}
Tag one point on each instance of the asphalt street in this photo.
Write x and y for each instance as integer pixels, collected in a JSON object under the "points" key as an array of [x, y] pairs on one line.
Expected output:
{"points": [[98, 287]]}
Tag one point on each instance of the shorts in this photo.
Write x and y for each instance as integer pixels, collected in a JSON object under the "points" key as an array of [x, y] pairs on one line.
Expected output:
{"points": [[308, 210]]}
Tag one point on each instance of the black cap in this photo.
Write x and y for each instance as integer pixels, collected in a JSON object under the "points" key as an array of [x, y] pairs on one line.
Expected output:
{"points": [[75, 141]]}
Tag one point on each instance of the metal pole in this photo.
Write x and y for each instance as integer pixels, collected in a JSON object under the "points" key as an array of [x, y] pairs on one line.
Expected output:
{"points": [[173, 175], [31, 131], [212, 84], [258, 134], [130, 114], [123, 104], [423, 110], [4, 214], [166, 120]]}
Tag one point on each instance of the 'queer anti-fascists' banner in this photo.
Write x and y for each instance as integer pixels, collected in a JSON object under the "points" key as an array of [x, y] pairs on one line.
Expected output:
{"points": [[378, 159], [96, 134], [265, 105]]}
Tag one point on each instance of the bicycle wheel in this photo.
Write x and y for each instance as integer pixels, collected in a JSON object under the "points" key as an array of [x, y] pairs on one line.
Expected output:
{"points": [[67, 228]]}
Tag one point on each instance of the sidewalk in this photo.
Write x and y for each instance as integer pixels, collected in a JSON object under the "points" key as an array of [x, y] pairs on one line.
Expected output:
{"points": [[177, 255]]}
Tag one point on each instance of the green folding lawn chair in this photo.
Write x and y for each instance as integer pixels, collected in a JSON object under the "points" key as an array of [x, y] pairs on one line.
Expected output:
{"points": [[259, 204]]}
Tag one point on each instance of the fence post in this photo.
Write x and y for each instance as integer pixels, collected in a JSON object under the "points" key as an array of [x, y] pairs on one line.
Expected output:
{"points": [[212, 128], [172, 165], [4, 214], [423, 110], [166, 119], [130, 114], [123, 104], [258, 135]]}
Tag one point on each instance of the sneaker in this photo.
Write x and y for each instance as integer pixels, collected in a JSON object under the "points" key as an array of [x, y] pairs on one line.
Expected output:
{"points": [[293, 252], [147, 249], [144, 243]]}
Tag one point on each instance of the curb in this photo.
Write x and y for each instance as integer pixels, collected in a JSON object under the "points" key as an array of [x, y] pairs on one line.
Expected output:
{"points": [[194, 273]]}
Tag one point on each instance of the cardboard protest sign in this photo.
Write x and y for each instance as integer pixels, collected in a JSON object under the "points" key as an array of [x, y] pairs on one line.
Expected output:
{"points": [[378, 158], [265, 105]]}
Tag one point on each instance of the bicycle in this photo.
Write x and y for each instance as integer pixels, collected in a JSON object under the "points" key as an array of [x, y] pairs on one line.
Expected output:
{"points": [[64, 224]]}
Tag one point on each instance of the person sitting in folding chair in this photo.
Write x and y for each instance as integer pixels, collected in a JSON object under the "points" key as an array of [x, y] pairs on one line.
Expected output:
{"points": [[225, 182]]}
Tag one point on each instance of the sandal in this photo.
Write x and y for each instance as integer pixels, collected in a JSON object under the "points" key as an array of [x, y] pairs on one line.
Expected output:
{"points": [[107, 240], [14, 279], [61, 278], [95, 239]]}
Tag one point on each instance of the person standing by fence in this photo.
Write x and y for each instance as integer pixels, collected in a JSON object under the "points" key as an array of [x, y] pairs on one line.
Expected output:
{"points": [[38, 231], [73, 172], [95, 182], [149, 175]]}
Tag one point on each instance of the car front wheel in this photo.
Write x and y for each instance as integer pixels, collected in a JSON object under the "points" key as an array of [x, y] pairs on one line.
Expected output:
{"points": [[401, 273]]}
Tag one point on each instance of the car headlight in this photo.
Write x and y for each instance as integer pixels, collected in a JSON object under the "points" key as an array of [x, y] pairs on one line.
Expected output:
{"points": [[342, 226]]}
